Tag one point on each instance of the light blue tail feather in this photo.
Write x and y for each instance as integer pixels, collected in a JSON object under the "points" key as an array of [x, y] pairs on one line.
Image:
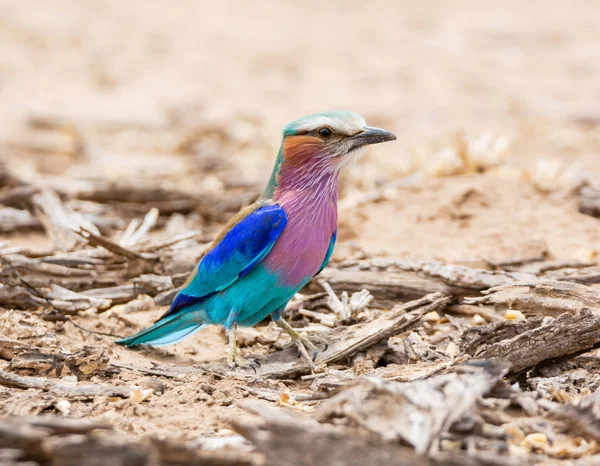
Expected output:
{"points": [[165, 332]]}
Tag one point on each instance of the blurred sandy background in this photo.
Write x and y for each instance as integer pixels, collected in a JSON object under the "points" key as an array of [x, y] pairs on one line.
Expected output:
{"points": [[137, 78]]}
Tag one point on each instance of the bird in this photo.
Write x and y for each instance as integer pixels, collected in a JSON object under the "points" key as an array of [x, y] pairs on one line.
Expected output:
{"points": [[271, 249]]}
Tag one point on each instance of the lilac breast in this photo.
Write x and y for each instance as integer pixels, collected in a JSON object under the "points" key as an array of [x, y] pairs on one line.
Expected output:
{"points": [[300, 250]]}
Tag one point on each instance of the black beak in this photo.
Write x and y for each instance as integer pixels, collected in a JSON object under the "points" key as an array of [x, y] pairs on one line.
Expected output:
{"points": [[371, 135]]}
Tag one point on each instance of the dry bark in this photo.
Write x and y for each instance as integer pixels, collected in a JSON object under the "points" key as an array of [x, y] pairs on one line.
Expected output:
{"points": [[31, 360], [541, 297], [286, 440], [289, 440], [427, 408], [393, 280], [585, 275], [61, 387], [582, 417], [12, 220], [59, 221], [553, 338], [73, 442], [525, 344]]}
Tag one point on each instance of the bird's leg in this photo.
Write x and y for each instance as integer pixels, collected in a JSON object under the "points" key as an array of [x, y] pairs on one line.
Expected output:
{"points": [[234, 359], [302, 343]]}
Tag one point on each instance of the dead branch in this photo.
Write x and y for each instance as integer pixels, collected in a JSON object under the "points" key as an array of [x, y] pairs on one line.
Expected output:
{"points": [[148, 284], [136, 231], [12, 220], [475, 337], [59, 221], [98, 240], [19, 263], [18, 196], [154, 247], [548, 267], [585, 275], [289, 440], [61, 387], [27, 433], [541, 297], [71, 302], [428, 408], [553, 338], [582, 417], [18, 296], [392, 280], [61, 425], [34, 360], [163, 371], [73, 442]]}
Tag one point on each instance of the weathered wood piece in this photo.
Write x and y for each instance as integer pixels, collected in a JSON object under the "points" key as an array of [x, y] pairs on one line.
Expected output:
{"points": [[12, 220], [393, 280], [75, 442], [289, 440], [32, 360], [582, 417], [61, 387], [541, 297], [419, 412], [584, 275], [553, 338], [475, 337], [59, 221]]}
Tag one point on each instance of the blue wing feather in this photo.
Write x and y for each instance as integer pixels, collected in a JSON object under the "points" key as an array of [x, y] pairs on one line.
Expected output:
{"points": [[241, 249], [182, 300], [329, 252]]}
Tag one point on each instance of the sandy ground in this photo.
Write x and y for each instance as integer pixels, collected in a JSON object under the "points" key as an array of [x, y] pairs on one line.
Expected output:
{"points": [[137, 75], [526, 72]]}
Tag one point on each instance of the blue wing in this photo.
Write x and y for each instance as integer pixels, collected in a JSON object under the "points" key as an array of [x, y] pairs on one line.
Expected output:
{"points": [[329, 252], [239, 250]]}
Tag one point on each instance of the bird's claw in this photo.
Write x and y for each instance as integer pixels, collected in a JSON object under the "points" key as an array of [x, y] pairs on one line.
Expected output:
{"points": [[308, 350], [321, 342], [236, 361], [302, 343]]}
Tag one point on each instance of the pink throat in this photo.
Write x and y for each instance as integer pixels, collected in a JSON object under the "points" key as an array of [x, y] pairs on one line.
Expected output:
{"points": [[311, 209]]}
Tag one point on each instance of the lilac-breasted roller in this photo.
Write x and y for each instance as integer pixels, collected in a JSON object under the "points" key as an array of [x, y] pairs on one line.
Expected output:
{"points": [[271, 249]]}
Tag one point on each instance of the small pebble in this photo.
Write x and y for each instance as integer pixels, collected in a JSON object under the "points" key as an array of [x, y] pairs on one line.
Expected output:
{"points": [[138, 395], [63, 407], [155, 384], [452, 350], [536, 441], [478, 320], [431, 317]]}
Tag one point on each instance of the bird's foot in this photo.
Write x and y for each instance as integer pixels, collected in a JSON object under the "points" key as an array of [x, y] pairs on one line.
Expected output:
{"points": [[235, 361], [307, 350]]}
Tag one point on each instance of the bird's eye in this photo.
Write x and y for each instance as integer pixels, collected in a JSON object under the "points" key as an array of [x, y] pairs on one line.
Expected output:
{"points": [[324, 132]]}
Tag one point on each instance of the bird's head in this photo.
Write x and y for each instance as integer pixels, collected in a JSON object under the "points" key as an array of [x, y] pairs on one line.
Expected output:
{"points": [[318, 146]]}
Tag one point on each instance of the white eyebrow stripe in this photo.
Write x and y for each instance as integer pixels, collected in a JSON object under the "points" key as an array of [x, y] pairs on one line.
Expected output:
{"points": [[350, 125]]}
